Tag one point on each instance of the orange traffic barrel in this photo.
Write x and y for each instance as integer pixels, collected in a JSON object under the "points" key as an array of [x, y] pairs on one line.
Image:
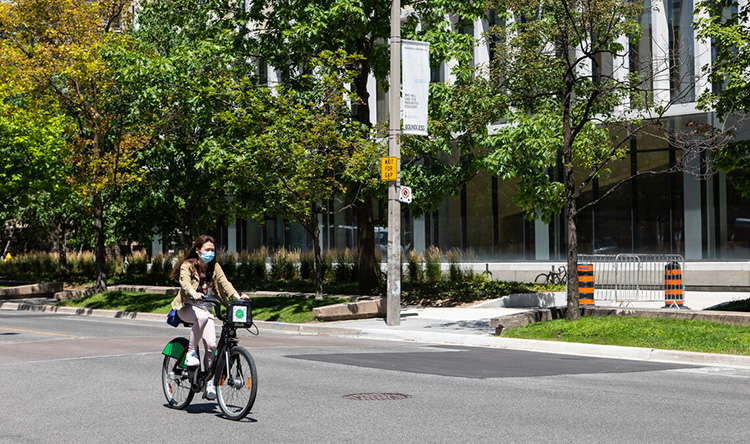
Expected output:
{"points": [[586, 285], [673, 289]]}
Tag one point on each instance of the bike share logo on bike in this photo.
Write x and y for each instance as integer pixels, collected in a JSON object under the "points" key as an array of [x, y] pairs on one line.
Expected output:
{"points": [[240, 314]]}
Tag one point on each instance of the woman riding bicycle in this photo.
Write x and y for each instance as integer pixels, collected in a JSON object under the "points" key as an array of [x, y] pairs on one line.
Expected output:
{"points": [[200, 276]]}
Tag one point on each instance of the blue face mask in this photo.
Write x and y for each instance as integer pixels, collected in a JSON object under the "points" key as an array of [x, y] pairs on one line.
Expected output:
{"points": [[208, 256]]}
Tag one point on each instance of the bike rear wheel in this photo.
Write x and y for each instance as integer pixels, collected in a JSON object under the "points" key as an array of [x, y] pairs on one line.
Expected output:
{"points": [[176, 384], [542, 279], [236, 391]]}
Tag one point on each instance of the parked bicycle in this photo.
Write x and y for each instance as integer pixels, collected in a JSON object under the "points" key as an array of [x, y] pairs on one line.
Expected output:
{"points": [[233, 371], [559, 277]]}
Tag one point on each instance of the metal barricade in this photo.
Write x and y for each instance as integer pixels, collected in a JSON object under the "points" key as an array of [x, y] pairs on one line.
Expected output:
{"points": [[631, 278]]}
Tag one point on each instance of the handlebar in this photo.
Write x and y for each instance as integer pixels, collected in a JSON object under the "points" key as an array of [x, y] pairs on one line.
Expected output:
{"points": [[216, 303]]}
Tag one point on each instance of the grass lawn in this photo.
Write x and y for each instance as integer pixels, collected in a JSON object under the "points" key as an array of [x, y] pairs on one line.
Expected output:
{"points": [[281, 309], [667, 334]]}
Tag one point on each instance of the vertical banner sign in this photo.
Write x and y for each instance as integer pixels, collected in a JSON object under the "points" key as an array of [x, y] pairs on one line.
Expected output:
{"points": [[415, 62]]}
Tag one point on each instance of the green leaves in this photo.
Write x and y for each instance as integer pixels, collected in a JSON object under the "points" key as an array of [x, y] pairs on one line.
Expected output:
{"points": [[728, 34], [304, 148]]}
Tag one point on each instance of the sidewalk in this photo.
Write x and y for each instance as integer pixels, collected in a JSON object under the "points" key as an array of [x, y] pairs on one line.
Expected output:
{"points": [[457, 326]]}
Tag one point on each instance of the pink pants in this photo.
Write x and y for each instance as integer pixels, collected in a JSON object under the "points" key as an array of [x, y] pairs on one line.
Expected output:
{"points": [[203, 328]]}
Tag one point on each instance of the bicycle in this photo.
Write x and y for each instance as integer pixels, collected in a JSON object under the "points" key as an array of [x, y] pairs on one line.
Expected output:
{"points": [[233, 369], [559, 277]]}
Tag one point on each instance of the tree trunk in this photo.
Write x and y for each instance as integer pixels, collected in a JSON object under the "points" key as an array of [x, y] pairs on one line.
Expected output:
{"points": [[62, 248], [368, 267], [363, 108], [99, 248], [318, 258], [572, 313], [187, 232]]}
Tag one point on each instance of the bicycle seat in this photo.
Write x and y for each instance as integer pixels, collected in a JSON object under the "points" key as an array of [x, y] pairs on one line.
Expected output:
{"points": [[186, 324]]}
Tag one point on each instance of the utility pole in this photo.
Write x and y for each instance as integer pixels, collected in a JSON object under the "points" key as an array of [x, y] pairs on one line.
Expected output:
{"points": [[393, 313]]}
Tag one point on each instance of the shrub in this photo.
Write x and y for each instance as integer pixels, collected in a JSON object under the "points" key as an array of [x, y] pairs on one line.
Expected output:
{"points": [[468, 274], [48, 263], [307, 265], [254, 264], [284, 264], [454, 293], [36, 262], [82, 263], [455, 274], [228, 263], [41, 262], [161, 264], [327, 258], [343, 271], [414, 270], [113, 265], [433, 270], [137, 262], [243, 266]]}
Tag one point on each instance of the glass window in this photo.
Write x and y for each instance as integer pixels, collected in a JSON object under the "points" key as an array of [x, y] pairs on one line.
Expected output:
{"points": [[299, 239], [254, 235], [641, 52], [738, 222], [448, 223], [613, 228], [515, 234], [681, 50], [479, 216], [658, 206]]}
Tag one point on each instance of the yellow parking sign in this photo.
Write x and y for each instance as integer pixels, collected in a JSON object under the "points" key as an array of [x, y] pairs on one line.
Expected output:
{"points": [[388, 168]]}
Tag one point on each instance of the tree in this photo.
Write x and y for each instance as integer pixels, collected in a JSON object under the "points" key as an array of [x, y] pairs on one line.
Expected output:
{"points": [[564, 108], [299, 148], [34, 169], [31, 148], [184, 56], [289, 34], [60, 46], [725, 24]]}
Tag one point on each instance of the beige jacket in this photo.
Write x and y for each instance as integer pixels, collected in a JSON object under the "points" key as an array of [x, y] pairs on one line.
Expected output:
{"points": [[223, 289]]}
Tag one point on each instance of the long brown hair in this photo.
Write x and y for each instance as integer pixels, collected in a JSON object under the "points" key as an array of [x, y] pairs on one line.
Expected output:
{"points": [[193, 258]]}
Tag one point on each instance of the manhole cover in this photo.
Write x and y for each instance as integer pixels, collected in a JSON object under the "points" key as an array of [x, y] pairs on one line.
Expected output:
{"points": [[376, 396]]}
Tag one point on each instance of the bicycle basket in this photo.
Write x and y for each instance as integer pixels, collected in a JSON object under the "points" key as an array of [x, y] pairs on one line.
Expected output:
{"points": [[240, 314]]}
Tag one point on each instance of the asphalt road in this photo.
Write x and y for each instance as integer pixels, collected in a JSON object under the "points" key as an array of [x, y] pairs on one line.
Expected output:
{"points": [[75, 379]]}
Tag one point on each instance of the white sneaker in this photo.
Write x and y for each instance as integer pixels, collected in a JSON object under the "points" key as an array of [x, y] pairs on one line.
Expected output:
{"points": [[210, 391], [191, 360]]}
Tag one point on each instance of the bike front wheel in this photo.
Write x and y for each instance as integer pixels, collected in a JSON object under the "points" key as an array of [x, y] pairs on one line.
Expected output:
{"points": [[176, 384], [236, 391]]}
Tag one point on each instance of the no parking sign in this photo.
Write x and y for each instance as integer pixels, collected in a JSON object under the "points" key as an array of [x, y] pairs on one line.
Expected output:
{"points": [[404, 194]]}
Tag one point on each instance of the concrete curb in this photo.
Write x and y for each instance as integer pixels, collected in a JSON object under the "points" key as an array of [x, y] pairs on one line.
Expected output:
{"points": [[40, 289], [602, 351], [501, 323], [724, 317], [364, 309], [83, 311]]}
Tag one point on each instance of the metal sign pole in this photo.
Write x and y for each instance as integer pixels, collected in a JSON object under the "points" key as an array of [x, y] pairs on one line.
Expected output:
{"points": [[393, 313]]}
